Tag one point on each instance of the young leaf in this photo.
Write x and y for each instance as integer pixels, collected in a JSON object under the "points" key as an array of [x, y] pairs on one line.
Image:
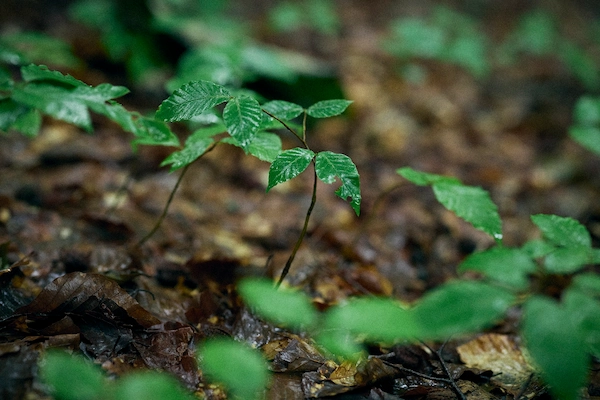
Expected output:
{"points": [[151, 385], [153, 132], [473, 204], [376, 318], [195, 146], [557, 345], [424, 178], [460, 307], [242, 116], [72, 377], [328, 108], [288, 165], [283, 110], [265, 146], [192, 99], [330, 165], [290, 308], [509, 266], [241, 369], [34, 72], [563, 231]]}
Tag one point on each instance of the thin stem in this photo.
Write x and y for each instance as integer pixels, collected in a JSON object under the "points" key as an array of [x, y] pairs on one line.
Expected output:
{"points": [[171, 196], [288, 264]]}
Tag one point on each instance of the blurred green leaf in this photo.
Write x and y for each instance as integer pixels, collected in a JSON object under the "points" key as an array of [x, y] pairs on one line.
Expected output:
{"points": [[330, 166], [562, 231], [505, 265], [192, 99], [34, 72], [241, 369], [424, 178], [289, 164], [567, 259], [72, 377], [150, 385], [152, 132], [285, 307]]}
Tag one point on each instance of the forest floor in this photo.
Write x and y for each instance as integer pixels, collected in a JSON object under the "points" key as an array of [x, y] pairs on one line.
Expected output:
{"points": [[74, 202]]}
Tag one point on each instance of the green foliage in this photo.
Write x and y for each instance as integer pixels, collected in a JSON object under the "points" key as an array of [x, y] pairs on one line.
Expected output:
{"points": [[321, 16], [21, 48], [241, 369], [289, 164], [330, 166], [511, 267], [586, 123], [472, 204], [72, 377]]}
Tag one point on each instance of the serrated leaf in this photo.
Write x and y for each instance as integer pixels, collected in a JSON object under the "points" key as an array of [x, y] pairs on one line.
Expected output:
{"points": [[376, 319], [289, 164], [509, 266], [153, 132], [265, 146], [72, 377], [116, 113], [283, 110], [289, 308], [330, 166], [242, 116], [473, 204], [557, 345], [241, 369], [460, 307], [34, 72], [100, 93], [192, 99], [424, 178], [56, 101], [328, 108], [562, 231]]}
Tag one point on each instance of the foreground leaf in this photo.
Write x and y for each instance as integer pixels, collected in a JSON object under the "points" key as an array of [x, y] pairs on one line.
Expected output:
{"points": [[557, 346], [509, 266], [192, 99], [34, 72], [150, 385], [154, 132], [563, 231], [460, 307], [242, 116], [289, 308], [72, 377], [328, 108], [241, 369], [289, 164], [330, 166]]}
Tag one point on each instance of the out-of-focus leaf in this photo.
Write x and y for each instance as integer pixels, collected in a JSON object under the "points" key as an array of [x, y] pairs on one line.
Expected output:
{"points": [[34, 72], [192, 99], [289, 164], [566, 260], [154, 132], [37, 47], [242, 116], [585, 313], [29, 123], [265, 146], [286, 307], [557, 345], [72, 377], [424, 178], [562, 231], [116, 113], [510, 266], [9, 112], [150, 386], [587, 136], [241, 369], [538, 248], [330, 166], [328, 108], [283, 110], [460, 307], [587, 282]]}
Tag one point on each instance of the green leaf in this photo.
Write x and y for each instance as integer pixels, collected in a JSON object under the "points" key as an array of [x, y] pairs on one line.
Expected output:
{"points": [[99, 94], [584, 310], [286, 307], [538, 248], [242, 116], [192, 99], [328, 108], [424, 178], [153, 132], [289, 164], [509, 266], [10, 110], [330, 166], [341, 342], [34, 72], [150, 385], [72, 377], [283, 110], [587, 111], [241, 369], [56, 101], [195, 146], [377, 319], [567, 260], [557, 345], [118, 114], [265, 146], [586, 136], [562, 231], [587, 282], [460, 307], [473, 204], [29, 123]]}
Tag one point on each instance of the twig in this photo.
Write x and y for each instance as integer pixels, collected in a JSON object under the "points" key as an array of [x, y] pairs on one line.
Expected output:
{"points": [[451, 380]]}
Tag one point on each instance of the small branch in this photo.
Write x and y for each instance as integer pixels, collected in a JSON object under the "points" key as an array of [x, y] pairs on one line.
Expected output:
{"points": [[288, 264], [171, 196], [281, 122], [451, 380]]}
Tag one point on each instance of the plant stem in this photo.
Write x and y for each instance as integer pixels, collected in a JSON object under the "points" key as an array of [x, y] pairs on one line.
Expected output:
{"points": [[288, 264]]}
